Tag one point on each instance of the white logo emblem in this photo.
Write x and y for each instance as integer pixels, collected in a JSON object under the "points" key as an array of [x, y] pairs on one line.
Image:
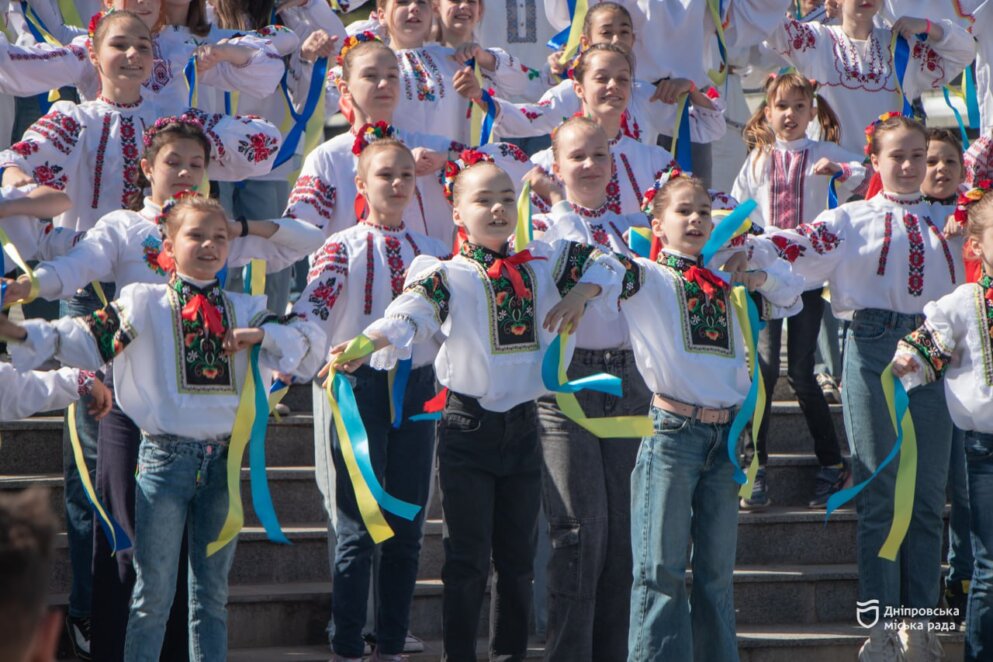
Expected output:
{"points": [[867, 613]]}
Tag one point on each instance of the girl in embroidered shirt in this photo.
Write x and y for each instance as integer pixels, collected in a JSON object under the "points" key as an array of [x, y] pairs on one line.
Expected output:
{"points": [[787, 173], [884, 259], [954, 345], [854, 64]]}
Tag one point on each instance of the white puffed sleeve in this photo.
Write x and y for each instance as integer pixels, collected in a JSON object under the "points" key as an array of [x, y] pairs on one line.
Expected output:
{"points": [[243, 147], [294, 346], [258, 77], [293, 241], [933, 344], [36, 69], [23, 394]]}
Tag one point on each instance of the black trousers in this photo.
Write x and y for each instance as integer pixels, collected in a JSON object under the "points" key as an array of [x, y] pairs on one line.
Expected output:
{"points": [[488, 468], [113, 576]]}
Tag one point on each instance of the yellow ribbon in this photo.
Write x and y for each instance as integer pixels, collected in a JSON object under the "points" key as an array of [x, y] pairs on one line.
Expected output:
{"points": [[98, 289], [718, 77], [110, 527], [375, 523], [575, 32], [680, 105], [523, 232], [476, 114], [738, 295], [906, 475], [11, 250], [70, 14], [32, 18]]}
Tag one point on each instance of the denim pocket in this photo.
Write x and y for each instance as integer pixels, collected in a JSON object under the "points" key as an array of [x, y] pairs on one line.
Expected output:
{"points": [[564, 567], [667, 423], [154, 456], [978, 450], [862, 330], [460, 422]]}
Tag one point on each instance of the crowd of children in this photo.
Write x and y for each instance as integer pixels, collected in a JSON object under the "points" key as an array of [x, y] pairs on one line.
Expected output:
{"points": [[551, 281]]}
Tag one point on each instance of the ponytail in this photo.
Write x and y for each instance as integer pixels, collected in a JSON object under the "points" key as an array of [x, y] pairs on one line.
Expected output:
{"points": [[758, 134], [826, 117]]}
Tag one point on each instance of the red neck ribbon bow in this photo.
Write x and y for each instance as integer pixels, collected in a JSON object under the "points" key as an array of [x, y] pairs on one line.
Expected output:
{"points": [[508, 266], [199, 305], [706, 280]]}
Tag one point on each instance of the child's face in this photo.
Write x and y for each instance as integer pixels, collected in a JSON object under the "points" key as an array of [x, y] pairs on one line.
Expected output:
{"points": [[610, 27], [387, 181], [486, 206], [901, 160], [459, 15], [374, 82], [200, 244], [860, 10], [606, 84], [944, 170], [583, 162], [147, 10], [407, 21], [125, 55], [982, 247], [790, 113], [685, 224], [178, 166]]}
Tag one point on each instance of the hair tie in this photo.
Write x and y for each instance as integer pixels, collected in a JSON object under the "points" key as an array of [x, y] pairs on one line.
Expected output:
{"points": [[870, 131], [162, 122], [969, 198], [369, 133], [354, 40], [171, 203], [453, 168]]}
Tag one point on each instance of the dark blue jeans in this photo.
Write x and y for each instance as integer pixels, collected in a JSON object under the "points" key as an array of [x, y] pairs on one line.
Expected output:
{"points": [[979, 624], [960, 558], [401, 459]]}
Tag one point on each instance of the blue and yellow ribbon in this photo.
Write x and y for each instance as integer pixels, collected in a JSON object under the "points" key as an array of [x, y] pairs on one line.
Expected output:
{"points": [[277, 391], [681, 148], [8, 247], [569, 38], [716, 8], [301, 121], [524, 231], [900, 51], [832, 199], [732, 225], [481, 121], [753, 406], [41, 34], [192, 82], [640, 241], [397, 380]]}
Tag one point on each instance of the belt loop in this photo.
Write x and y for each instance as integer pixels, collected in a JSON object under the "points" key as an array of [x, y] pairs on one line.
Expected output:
{"points": [[696, 413]]}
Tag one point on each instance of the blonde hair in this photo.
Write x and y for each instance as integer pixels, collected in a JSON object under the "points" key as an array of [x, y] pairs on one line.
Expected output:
{"points": [[174, 211], [577, 121], [759, 135], [662, 198], [379, 145], [980, 216]]}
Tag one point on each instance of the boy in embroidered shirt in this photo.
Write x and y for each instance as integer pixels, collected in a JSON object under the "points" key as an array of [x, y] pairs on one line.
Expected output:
{"points": [[179, 372], [489, 308]]}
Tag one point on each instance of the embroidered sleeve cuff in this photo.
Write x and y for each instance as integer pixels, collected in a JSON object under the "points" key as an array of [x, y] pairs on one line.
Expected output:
{"points": [[930, 349], [846, 172], [923, 375], [607, 273], [84, 381], [399, 331]]}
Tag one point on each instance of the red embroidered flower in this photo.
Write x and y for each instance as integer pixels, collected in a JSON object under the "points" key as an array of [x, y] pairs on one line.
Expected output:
{"points": [[518, 329], [25, 148], [127, 131]]}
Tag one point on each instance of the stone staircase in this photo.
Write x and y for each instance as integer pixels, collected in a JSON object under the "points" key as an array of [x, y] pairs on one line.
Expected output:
{"points": [[795, 580]]}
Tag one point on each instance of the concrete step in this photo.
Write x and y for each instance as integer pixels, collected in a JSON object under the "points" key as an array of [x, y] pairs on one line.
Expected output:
{"points": [[790, 478]]}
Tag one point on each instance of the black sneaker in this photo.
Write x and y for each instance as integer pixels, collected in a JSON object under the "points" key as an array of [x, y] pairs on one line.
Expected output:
{"points": [[760, 493], [829, 388], [957, 598], [79, 636], [829, 480]]}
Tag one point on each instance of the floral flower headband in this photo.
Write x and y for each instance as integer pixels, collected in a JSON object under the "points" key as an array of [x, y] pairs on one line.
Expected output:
{"points": [[870, 131], [466, 159], [969, 198], [163, 122], [369, 133], [665, 178], [95, 21], [171, 203], [354, 40]]}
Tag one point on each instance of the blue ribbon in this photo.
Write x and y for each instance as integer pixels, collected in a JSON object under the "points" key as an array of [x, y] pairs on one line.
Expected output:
{"points": [[901, 402], [558, 41], [399, 389], [486, 130], [352, 421], [958, 117], [314, 92], [600, 381], [832, 200], [190, 72], [277, 385], [261, 498], [222, 276], [748, 406], [638, 244], [971, 101], [684, 151], [725, 230], [901, 57]]}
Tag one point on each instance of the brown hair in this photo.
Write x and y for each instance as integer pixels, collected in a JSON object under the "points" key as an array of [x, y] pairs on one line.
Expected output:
{"points": [[196, 18], [174, 211], [243, 14], [948, 137], [661, 200], [27, 534], [582, 62], [600, 8], [381, 5], [160, 137], [113, 17], [379, 145], [892, 124], [980, 217], [577, 121], [758, 134], [348, 60]]}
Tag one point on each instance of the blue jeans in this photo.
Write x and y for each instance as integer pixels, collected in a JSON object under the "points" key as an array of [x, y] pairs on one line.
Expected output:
{"points": [[960, 558], [79, 512], [402, 460], [979, 623], [912, 580], [182, 485], [683, 489]]}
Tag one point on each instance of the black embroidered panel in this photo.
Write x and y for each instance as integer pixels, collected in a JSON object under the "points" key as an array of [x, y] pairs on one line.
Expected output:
{"points": [[436, 291], [706, 322], [202, 366], [112, 332], [571, 265]]}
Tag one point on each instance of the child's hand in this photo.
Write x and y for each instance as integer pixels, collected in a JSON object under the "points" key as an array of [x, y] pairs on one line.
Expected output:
{"points": [[833, 8], [11, 330], [427, 161], [17, 290], [466, 85], [909, 27], [554, 64], [826, 166], [737, 263], [102, 399], [565, 315], [670, 89], [544, 185], [472, 50], [904, 364], [14, 176], [236, 340], [953, 228], [319, 44], [752, 280], [334, 357]]}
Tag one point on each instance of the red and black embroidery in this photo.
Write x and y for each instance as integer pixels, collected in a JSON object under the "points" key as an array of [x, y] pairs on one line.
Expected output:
{"points": [[631, 177], [884, 252], [926, 343], [25, 148], [413, 244], [435, 289], [786, 194], [129, 150], [800, 36], [786, 249], [258, 147], [98, 163], [512, 318], [600, 237], [705, 320], [203, 367], [928, 59], [915, 257], [944, 246], [111, 332], [315, 192], [821, 239], [50, 175], [59, 129], [571, 265], [394, 259], [370, 272], [614, 189], [331, 269]]}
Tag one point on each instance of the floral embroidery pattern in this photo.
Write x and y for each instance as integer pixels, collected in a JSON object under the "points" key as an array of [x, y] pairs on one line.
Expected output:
{"points": [[98, 163], [110, 329], [511, 151], [59, 129], [258, 147], [706, 322], [984, 313], [821, 239], [787, 250], [425, 91], [915, 280], [614, 189], [633, 276], [152, 248], [129, 149], [600, 235], [927, 343], [315, 192], [512, 318], [853, 72], [929, 60], [370, 272], [203, 367], [331, 269], [800, 36], [586, 212], [435, 289], [571, 265], [25, 148], [161, 70], [884, 252], [944, 246], [530, 114], [394, 260], [48, 175]]}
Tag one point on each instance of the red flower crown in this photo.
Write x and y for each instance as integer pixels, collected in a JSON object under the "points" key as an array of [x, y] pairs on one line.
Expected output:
{"points": [[466, 159], [971, 197], [162, 122], [354, 40], [369, 133], [870, 131], [171, 203], [665, 178], [95, 21]]}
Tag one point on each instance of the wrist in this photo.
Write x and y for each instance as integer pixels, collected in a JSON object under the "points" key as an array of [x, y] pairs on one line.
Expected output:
{"points": [[244, 227]]}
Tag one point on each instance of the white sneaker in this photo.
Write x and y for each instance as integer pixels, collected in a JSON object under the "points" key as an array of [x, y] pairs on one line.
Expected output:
{"points": [[412, 644], [883, 644], [919, 644]]}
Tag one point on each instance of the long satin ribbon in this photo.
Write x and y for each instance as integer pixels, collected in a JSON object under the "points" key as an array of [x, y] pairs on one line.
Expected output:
{"points": [[315, 95], [481, 121], [640, 241], [116, 535], [523, 232], [354, 444], [192, 82], [731, 226], [958, 117], [277, 392], [716, 10], [753, 406], [398, 377], [832, 199], [8, 247], [569, 38], [969, 93], [231, 102], [555, 379], [898, 406], [681, 134], [261, 497], [900, 50]]}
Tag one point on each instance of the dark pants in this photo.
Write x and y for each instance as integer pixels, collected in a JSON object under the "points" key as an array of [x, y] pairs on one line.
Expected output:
{"points": [[488, 466], [586, 490], [401, 459], [800, 345], [113, 576]]}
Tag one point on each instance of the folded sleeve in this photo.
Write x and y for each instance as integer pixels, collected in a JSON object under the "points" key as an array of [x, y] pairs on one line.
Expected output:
{"points": [[23, 394], [293, 241]]}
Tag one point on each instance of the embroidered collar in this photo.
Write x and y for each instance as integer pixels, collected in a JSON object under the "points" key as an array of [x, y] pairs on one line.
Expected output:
{"points": [[185, 284], [384, 228], [905, 199], [677, 261], [481, 254], [587, 212], [122, 106], [793, 145], [616, 139], [986, 282], [951, 200]]}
